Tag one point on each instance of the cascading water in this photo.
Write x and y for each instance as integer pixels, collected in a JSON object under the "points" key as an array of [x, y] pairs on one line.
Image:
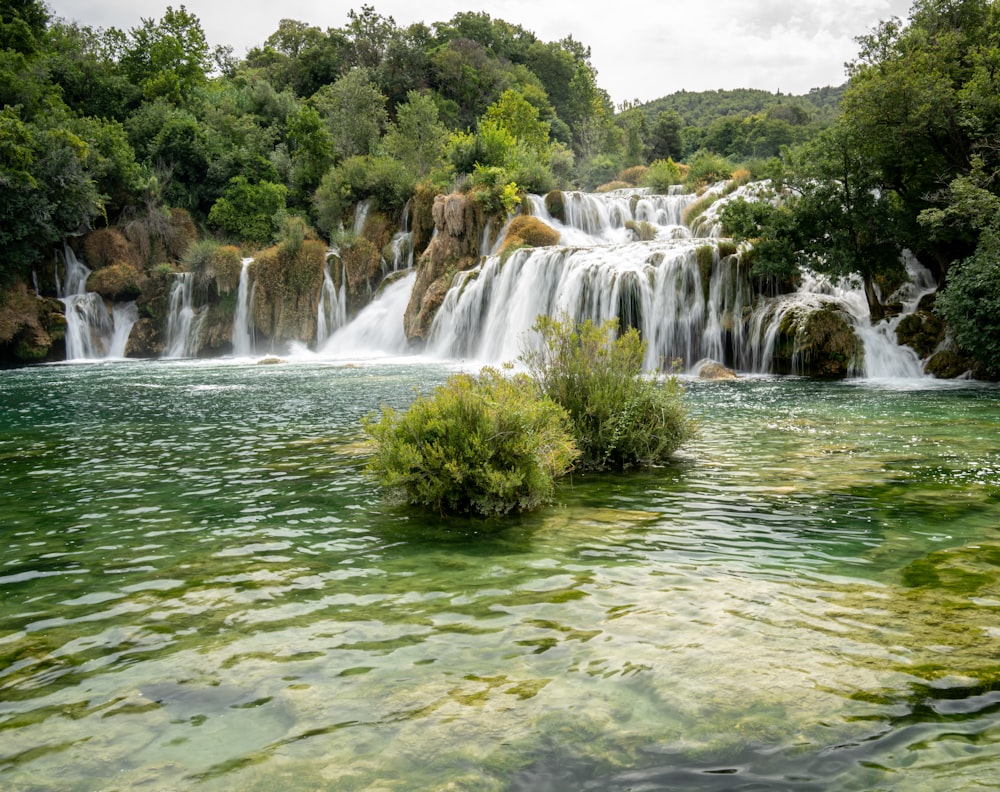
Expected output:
{"points": [[378, 329], [331, 313], [243, 329], [184, 321], [92, 332], [689, 302]]}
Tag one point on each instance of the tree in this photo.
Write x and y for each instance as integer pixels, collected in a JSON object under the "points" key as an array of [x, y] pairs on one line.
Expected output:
{"points": [[519, 118], [355, 113], [46, 191], [22, 25], [417, 138], [251, 213], [169, 58], [665, 141]]}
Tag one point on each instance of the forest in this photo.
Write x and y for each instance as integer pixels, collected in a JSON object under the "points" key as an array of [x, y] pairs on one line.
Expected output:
{"points": [[183, 147]]}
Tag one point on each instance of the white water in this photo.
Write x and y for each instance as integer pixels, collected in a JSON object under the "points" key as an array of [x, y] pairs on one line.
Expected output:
{"points": [[184, 321], [331, 313], [244, 344], [377, 331], [598, 272], [92, 332]]}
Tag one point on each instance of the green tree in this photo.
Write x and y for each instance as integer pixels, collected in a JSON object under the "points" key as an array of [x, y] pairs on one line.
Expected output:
{"points": [[665, 140], [519, 118], [417, 138], [22, 25], [46, 191], [169, 58], [354, 111], [251, 213]]}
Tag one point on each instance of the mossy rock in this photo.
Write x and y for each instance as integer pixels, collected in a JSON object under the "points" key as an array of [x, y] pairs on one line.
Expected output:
{"points": [[146, 339], [422, 216], [555, 205], [528, 231], [107, 246], [816, 342], [29, 325], [922, 331], [287, 282], [117, 282], [641, 230], [611, 186], [948, 364], [226, 263], [715, 371], [827, 344]]}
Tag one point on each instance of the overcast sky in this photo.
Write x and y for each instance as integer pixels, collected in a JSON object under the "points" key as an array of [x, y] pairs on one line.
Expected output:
{"points": [[641, 50]]}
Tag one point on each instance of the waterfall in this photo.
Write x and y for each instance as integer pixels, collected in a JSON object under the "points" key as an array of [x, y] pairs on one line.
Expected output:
{"points": [[487, 314], [378, 328], [243, 329], [183, 320], [92, 332], [331, 313], [627, 255]]}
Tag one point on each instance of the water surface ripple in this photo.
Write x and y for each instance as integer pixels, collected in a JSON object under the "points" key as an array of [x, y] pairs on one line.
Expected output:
{"points": [[200, 590]]}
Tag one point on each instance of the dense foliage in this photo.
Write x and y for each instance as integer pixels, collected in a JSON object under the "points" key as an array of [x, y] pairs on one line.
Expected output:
{"points": [[483, 445], [621, 418]]}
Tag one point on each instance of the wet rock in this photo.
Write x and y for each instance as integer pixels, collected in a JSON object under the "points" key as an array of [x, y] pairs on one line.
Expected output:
{"points": [[711, 370]]}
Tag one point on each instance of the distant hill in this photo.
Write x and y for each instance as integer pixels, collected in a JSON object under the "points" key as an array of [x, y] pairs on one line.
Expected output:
{"points": [[700, 108]]}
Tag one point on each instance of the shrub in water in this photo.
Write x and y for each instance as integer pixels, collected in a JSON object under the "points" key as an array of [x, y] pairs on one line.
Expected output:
{"points": [[620, 418], [485, 445]]}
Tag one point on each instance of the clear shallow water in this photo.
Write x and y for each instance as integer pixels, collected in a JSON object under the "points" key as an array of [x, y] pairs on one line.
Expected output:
{"points": [[199, 590]]}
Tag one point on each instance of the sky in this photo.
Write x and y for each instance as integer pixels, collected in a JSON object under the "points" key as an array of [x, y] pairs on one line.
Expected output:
{"points": [[642, 50]]}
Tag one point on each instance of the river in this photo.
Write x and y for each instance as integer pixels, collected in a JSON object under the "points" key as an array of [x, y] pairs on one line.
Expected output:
{"points": [[199, 589]]}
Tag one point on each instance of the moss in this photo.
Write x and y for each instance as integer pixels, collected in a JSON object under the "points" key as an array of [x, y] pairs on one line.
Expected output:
{"points": [[923, 332], [555, 204], [948, 364], [695, 210], [644, 232], [611, 186], [706, 260], [827, 344], [727, 248], [532, 231], [117, 282], [287, 286], [227, 263], [107, 246]]}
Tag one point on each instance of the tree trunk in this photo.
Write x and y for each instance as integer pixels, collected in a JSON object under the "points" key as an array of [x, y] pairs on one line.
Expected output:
{"points": [[875, 307]]}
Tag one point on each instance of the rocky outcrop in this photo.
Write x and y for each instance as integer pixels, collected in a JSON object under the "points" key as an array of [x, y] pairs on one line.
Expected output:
{"points": [[816, 341], [712, 370], [287, 281], [458, 222], [30, 326]]}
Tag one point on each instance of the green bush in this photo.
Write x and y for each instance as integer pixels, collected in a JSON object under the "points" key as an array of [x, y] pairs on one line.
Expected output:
{"points": [[662, 175], [250, 213], [485, 446], [620, 418], [387, 181]]}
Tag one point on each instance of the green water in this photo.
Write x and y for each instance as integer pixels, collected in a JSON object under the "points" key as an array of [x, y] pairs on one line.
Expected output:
{"points": [[200, 590]]}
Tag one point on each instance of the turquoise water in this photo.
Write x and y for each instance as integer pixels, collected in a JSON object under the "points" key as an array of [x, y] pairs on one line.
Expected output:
{"points": [[200, 590]]}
